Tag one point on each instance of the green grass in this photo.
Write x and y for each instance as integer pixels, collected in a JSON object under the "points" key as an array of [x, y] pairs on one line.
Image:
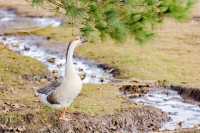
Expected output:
{"points": [[14, 67]]}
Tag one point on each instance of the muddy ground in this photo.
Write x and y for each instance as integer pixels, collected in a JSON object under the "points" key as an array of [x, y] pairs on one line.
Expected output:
{"points": [[187, 92], [143, 119]]}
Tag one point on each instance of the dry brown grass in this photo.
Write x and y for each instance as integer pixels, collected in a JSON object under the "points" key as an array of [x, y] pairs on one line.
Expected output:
{"points": [[172, 55], [24, 7]]}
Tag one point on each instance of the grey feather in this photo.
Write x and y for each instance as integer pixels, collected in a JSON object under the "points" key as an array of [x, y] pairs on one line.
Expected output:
{"points": [[49, 88]]}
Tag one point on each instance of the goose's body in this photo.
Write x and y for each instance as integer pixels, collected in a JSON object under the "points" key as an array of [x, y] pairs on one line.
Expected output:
{"points": [[61, 95]]}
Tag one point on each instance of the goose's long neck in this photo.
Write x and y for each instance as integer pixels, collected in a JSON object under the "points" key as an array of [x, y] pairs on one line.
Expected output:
{"points": [[69, 66]]}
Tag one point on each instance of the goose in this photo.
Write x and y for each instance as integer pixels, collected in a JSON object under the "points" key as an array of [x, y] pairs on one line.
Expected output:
{"points": [[61, 95]]}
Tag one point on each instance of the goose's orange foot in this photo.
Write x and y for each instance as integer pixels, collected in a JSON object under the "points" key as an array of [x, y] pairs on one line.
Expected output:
{"points": [[63, 115]]}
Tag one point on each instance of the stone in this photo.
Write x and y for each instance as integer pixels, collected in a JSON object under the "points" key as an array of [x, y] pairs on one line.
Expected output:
{"points": [[51, 60], [54, 71], [101, 80], [48, 37], [4, 38], [80, 69], [59, 65], [93, 76], [82, 76], [26, 48]]}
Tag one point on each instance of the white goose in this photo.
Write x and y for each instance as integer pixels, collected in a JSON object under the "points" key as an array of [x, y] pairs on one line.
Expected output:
{"points": [[61, 95]]}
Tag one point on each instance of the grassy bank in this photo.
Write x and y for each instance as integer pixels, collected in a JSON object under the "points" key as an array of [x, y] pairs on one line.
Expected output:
{"points": [[20, 107], [15, 68], [17, 98], [173, 54]]}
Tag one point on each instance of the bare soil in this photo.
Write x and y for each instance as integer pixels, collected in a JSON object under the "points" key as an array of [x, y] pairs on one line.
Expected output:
{"points": [[143, 119], [191, 94]]}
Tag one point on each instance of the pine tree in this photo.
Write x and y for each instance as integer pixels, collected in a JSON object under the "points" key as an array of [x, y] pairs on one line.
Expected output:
{"points": [[119, 19]]}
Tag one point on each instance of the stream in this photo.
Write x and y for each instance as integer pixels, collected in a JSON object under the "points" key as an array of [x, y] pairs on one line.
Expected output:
{"points": [[9, 22], [43, 49], [181, 114]]}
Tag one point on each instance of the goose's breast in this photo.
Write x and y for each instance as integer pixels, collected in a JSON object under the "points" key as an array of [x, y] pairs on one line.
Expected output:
{"points": [[72, 87]]}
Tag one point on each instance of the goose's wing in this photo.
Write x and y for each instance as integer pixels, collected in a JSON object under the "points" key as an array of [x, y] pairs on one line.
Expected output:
{"points": [[49, 88]]}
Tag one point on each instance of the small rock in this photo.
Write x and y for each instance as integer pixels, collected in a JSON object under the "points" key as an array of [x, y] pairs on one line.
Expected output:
{"points": [[59, 65], [179, 125], [82, 76], [101, 80], [4, 38], [26, 48], [56, 77], [48, 37], [80, 70], [93, 76], [51, 60], [54, 71], [55, 74]]}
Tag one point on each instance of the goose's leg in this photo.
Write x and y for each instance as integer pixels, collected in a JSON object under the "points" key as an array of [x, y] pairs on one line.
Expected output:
{"points": [[63, 115]]}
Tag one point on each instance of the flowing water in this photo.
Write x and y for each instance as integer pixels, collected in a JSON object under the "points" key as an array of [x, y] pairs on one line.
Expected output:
{"points": [[181, 114], [36, 47], [10, 22], [43, 49]]}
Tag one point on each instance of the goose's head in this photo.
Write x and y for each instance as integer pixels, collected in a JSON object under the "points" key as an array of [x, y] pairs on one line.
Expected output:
{"points": [[78, 41]]}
